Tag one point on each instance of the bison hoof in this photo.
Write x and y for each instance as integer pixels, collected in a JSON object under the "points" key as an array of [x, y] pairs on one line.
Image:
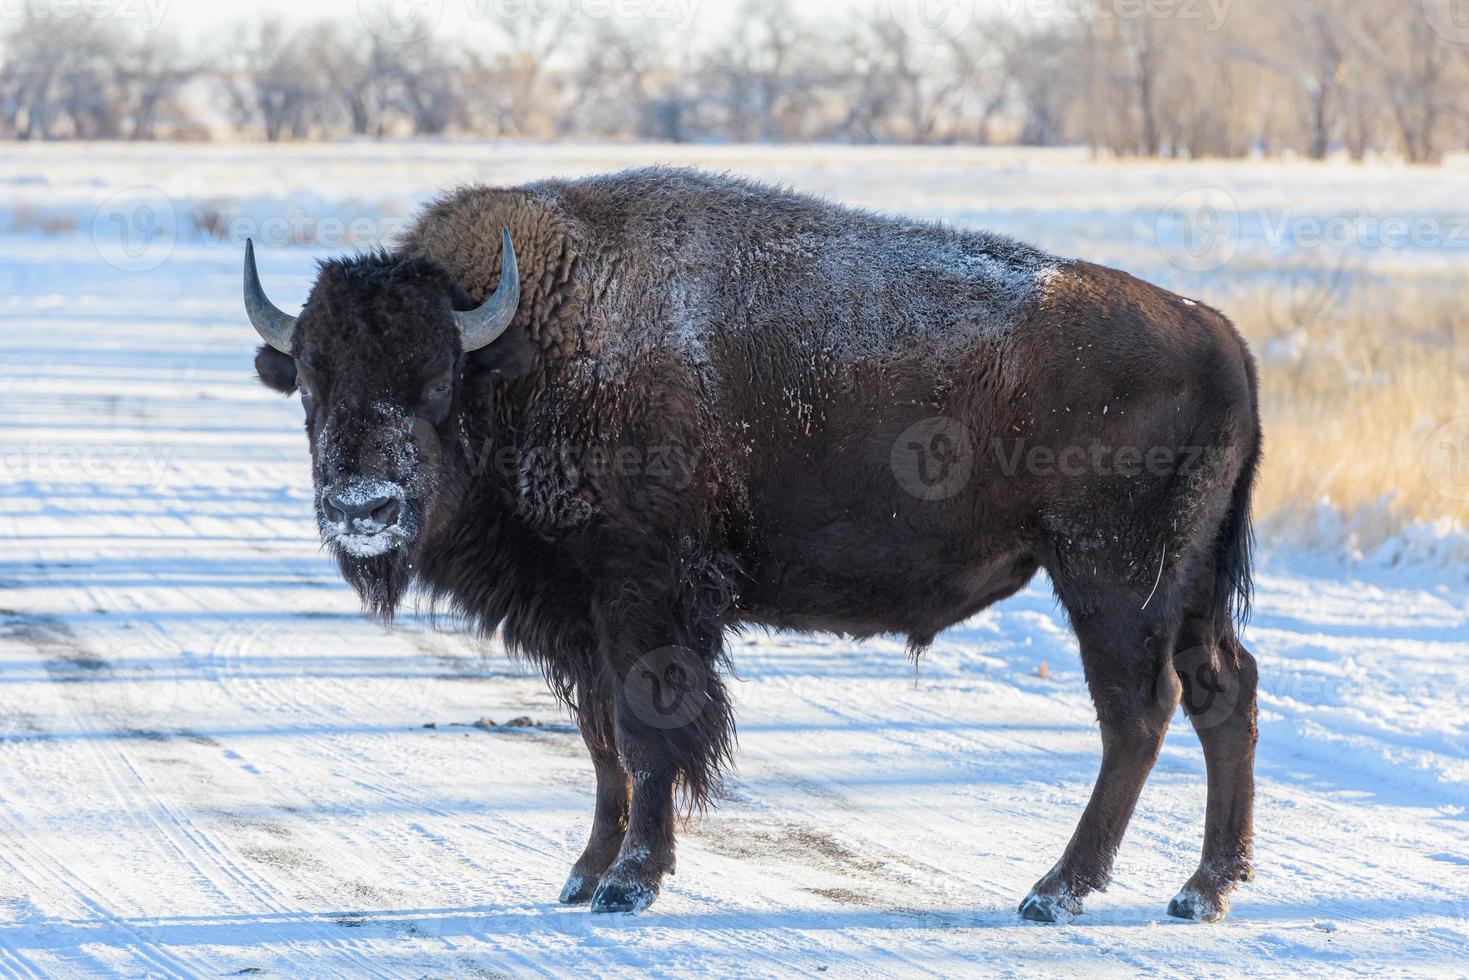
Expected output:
{"points": [[1189, 904], [623, 895], [579, 889], [625, 889], [1047, 908]]}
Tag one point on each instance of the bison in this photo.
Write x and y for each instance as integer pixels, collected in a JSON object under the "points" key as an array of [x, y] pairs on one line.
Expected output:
{"points": [[620, 417]]}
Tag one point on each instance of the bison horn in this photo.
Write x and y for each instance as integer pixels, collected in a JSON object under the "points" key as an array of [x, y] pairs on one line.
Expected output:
{"points": [[483, 325], [274, 325]]}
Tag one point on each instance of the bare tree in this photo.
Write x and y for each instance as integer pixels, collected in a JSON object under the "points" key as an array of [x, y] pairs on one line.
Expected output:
{"points": [[1419, 82], [1139, 41], [428, 84], [619, 72], [866, 91], [354, 69], [510, 90], [921, 95], [1311, 56], [1125, 78], [764, 74], [1038, 62], [977, 62], [57, 78], [1319, 29], [272, 80], [149, 72]]}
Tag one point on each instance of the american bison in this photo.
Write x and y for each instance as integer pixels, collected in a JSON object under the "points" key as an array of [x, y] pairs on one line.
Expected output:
{"points": [[621, 416]]}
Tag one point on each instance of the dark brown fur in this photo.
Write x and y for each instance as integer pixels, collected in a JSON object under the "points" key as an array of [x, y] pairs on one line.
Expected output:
{"points": [[791, 357]]}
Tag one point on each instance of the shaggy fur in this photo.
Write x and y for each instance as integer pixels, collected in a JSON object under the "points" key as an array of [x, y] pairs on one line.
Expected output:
{"points": [[724, 404]]}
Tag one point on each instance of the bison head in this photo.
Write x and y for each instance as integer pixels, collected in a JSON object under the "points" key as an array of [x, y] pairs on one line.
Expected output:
{"points": [[382, 354]]}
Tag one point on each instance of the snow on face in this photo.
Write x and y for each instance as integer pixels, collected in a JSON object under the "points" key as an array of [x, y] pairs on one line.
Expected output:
{"points": [[379, 450], [370, 545], [365, 537]]}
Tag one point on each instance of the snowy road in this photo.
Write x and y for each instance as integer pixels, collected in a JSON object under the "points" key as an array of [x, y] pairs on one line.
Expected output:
{"points": [[210, 765]]}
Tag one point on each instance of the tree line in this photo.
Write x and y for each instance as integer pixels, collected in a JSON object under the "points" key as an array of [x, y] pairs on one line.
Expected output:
{"points": [[1173, 78]]}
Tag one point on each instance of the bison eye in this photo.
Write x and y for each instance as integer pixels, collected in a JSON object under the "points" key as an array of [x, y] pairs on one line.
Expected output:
{"points": [[433, 404]]}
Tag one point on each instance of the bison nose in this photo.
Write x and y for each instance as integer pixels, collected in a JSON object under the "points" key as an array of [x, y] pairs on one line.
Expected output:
{"points": [[383, 511]]}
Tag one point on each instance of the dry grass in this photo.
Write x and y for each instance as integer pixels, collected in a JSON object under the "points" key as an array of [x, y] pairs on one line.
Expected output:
{"points": [[1355, 379]]}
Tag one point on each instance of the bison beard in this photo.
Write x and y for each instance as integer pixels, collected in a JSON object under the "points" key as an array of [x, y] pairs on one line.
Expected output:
{"points": [[381, 581], [836, 379]]}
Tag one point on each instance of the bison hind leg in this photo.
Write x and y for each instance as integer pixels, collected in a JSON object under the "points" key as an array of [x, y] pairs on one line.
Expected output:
{"points": [[1126, 642], [1219, 679]]}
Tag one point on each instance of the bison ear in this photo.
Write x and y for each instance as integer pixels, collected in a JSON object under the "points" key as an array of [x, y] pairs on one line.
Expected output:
{"points": [[508, 358], [277, 371]]}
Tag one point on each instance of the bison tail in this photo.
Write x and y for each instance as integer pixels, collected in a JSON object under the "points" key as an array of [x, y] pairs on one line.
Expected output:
{"points": [[1234, 556]]}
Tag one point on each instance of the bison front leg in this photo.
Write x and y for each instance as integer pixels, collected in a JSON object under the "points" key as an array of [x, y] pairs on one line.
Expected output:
{"points": [[609, 825], [673, 728], [646, 855]]}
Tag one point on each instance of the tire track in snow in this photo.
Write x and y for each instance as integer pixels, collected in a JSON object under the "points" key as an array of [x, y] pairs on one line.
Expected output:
{"points": [[52, 642], [364, 770], [931, 731], [158, 819], [76, 884]]}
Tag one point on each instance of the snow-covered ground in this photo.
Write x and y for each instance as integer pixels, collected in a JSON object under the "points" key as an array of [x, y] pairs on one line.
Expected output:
{"points": [[210, 765]]}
